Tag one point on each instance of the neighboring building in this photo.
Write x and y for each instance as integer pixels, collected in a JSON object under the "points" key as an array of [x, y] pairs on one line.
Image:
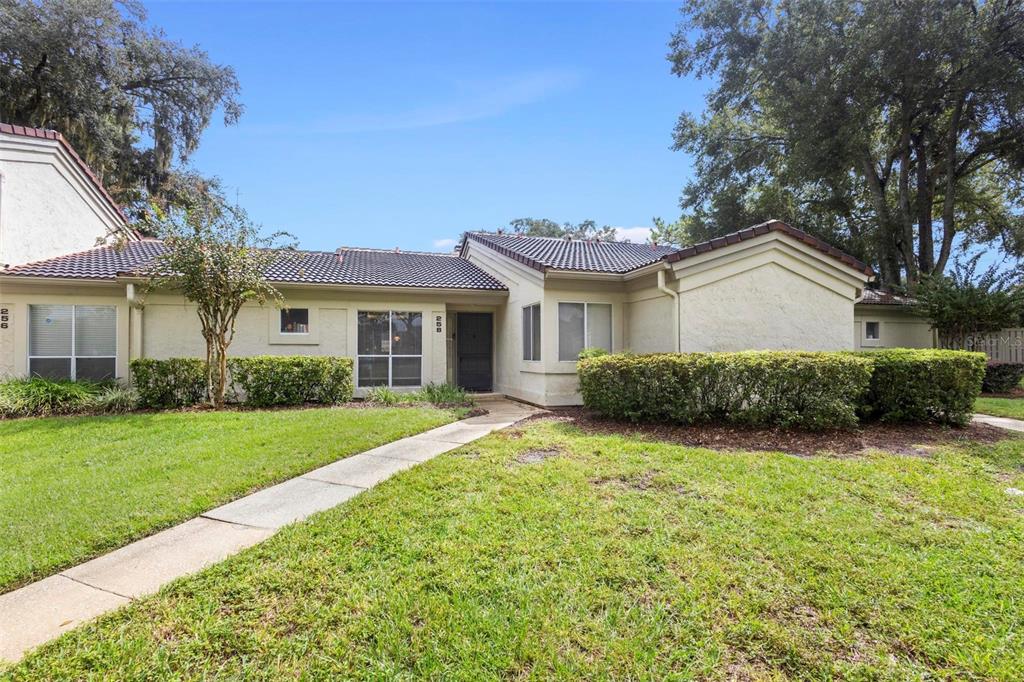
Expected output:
{"points": [[885, 320], [51, 203], [506, 313]]}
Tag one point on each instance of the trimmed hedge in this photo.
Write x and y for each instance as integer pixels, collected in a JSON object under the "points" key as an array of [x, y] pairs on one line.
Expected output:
{"points": [[1002, 377], [269, 380], [781, 388], [812, 390], [165, 384], [923, 385]]}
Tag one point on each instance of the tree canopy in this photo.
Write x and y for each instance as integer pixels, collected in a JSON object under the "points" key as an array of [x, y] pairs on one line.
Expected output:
{"points": [[131, 101], [894, 130], [543, 227], [216, 258]]}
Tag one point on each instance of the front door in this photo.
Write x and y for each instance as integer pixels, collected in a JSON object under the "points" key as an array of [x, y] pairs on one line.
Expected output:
{"points": [[473, 346]]}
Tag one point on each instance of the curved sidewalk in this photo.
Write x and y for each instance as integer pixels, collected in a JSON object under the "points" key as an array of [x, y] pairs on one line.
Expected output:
{"points": [[41, 611], [1000, 422]]}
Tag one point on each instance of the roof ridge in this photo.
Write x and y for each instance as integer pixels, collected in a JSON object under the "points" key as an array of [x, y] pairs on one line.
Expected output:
{"points": [[371, 249], [592, 240]]}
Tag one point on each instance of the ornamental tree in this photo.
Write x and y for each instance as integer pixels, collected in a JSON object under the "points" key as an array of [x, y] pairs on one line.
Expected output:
{"points": [[966, 303], [218, 259]]}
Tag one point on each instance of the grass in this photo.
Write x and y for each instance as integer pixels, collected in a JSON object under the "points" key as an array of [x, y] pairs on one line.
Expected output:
{"points": [[1000, 407], [547, 553], [74, 487]]}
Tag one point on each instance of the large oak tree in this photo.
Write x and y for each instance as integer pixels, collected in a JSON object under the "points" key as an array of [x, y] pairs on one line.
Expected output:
{"points": [[131, 101], [887, 127]]}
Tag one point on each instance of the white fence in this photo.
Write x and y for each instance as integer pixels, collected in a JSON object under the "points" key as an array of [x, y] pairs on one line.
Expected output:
{"points": [[1005, 346]]}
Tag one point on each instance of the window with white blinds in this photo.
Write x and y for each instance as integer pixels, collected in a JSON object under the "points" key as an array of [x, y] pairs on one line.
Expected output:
{"points": [[72, 341]]}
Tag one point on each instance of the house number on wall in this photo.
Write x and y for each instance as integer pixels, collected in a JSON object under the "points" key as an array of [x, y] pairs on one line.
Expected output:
{"points": [[437, 323], [5, 317]]}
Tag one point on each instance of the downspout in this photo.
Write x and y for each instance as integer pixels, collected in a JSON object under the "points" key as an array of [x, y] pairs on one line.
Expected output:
{"points": [[134, 323], [674, 295]]}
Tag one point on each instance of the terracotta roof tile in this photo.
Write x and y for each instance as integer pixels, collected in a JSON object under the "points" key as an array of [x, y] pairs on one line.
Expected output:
{"points": [[556, 253], [877, 297], [367, 267], [765, 228]]}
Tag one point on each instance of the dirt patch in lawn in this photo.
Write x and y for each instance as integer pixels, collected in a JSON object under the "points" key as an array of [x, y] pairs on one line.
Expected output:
{"points": [[537, 456], [909, 439]]}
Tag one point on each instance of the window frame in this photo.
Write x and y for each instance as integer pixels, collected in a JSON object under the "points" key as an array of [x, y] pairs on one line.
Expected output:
{"points": [[535, 357], [389, 356], [280, 322], [873, 339], [73, 375], [586, 325]]}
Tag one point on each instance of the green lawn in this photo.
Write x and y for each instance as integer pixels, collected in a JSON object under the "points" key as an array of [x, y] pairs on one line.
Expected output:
{"points": [[74, 487], [1000, 407], [549, 553]]}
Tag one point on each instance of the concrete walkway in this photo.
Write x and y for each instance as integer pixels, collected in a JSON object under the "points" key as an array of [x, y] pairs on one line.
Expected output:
{"points": [[41, 611], [1001, 422]]}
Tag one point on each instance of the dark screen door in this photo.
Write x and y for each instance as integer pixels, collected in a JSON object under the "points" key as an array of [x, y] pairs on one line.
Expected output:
{"points": [[473, 341]]}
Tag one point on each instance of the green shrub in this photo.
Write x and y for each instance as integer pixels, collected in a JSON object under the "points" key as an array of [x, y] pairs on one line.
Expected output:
{"points": [[1002, 377], [910, 385], [446, 394], [164, 384], [591, 353], [383, 396], [812, 390], [37, 397], [293, 380]]}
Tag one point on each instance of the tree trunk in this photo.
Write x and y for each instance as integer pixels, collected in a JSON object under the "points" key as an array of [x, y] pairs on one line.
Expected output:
{"points": [[925, 197], [949, 192], [885, 243]]}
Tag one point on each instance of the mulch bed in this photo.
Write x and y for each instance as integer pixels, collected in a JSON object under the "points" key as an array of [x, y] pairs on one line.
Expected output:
{"points": [[910, 439]]}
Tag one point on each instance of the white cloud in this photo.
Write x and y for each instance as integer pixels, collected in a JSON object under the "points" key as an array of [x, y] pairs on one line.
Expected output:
{"points": [[465, 100], [637, 235], [444, 243]]}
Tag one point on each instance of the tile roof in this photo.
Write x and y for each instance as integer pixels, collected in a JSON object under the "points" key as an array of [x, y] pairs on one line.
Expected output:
{"points": [[765, 228], [367, 267], [557, 253], [46, 134], [878, 297]]}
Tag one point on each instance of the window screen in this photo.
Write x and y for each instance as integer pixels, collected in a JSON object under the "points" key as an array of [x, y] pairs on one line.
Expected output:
{"points": [[73, 342], [390, 348], [583, 325]]}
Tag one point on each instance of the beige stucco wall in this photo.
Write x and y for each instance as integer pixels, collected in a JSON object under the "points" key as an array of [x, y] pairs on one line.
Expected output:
{"points": [[512, 375], [650, 323], [167, 326], [48, 207], [15, 298], [171, 327], [766, 308], [898, 328], [770, 293]]}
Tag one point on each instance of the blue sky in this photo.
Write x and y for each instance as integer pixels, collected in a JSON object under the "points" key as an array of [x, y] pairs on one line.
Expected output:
{"points": [[404, 125]]}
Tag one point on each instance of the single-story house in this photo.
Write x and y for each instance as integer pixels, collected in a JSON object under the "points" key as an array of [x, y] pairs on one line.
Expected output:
{"points": [[505, 312]]}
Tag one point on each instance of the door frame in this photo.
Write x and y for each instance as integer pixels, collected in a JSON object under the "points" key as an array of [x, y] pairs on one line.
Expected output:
{"points": [[456, 355]]}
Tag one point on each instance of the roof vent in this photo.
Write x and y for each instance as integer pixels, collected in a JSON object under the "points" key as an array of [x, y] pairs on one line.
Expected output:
{"points": [[340, 254], [398, 250], [501, 230], [567, 238]]}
